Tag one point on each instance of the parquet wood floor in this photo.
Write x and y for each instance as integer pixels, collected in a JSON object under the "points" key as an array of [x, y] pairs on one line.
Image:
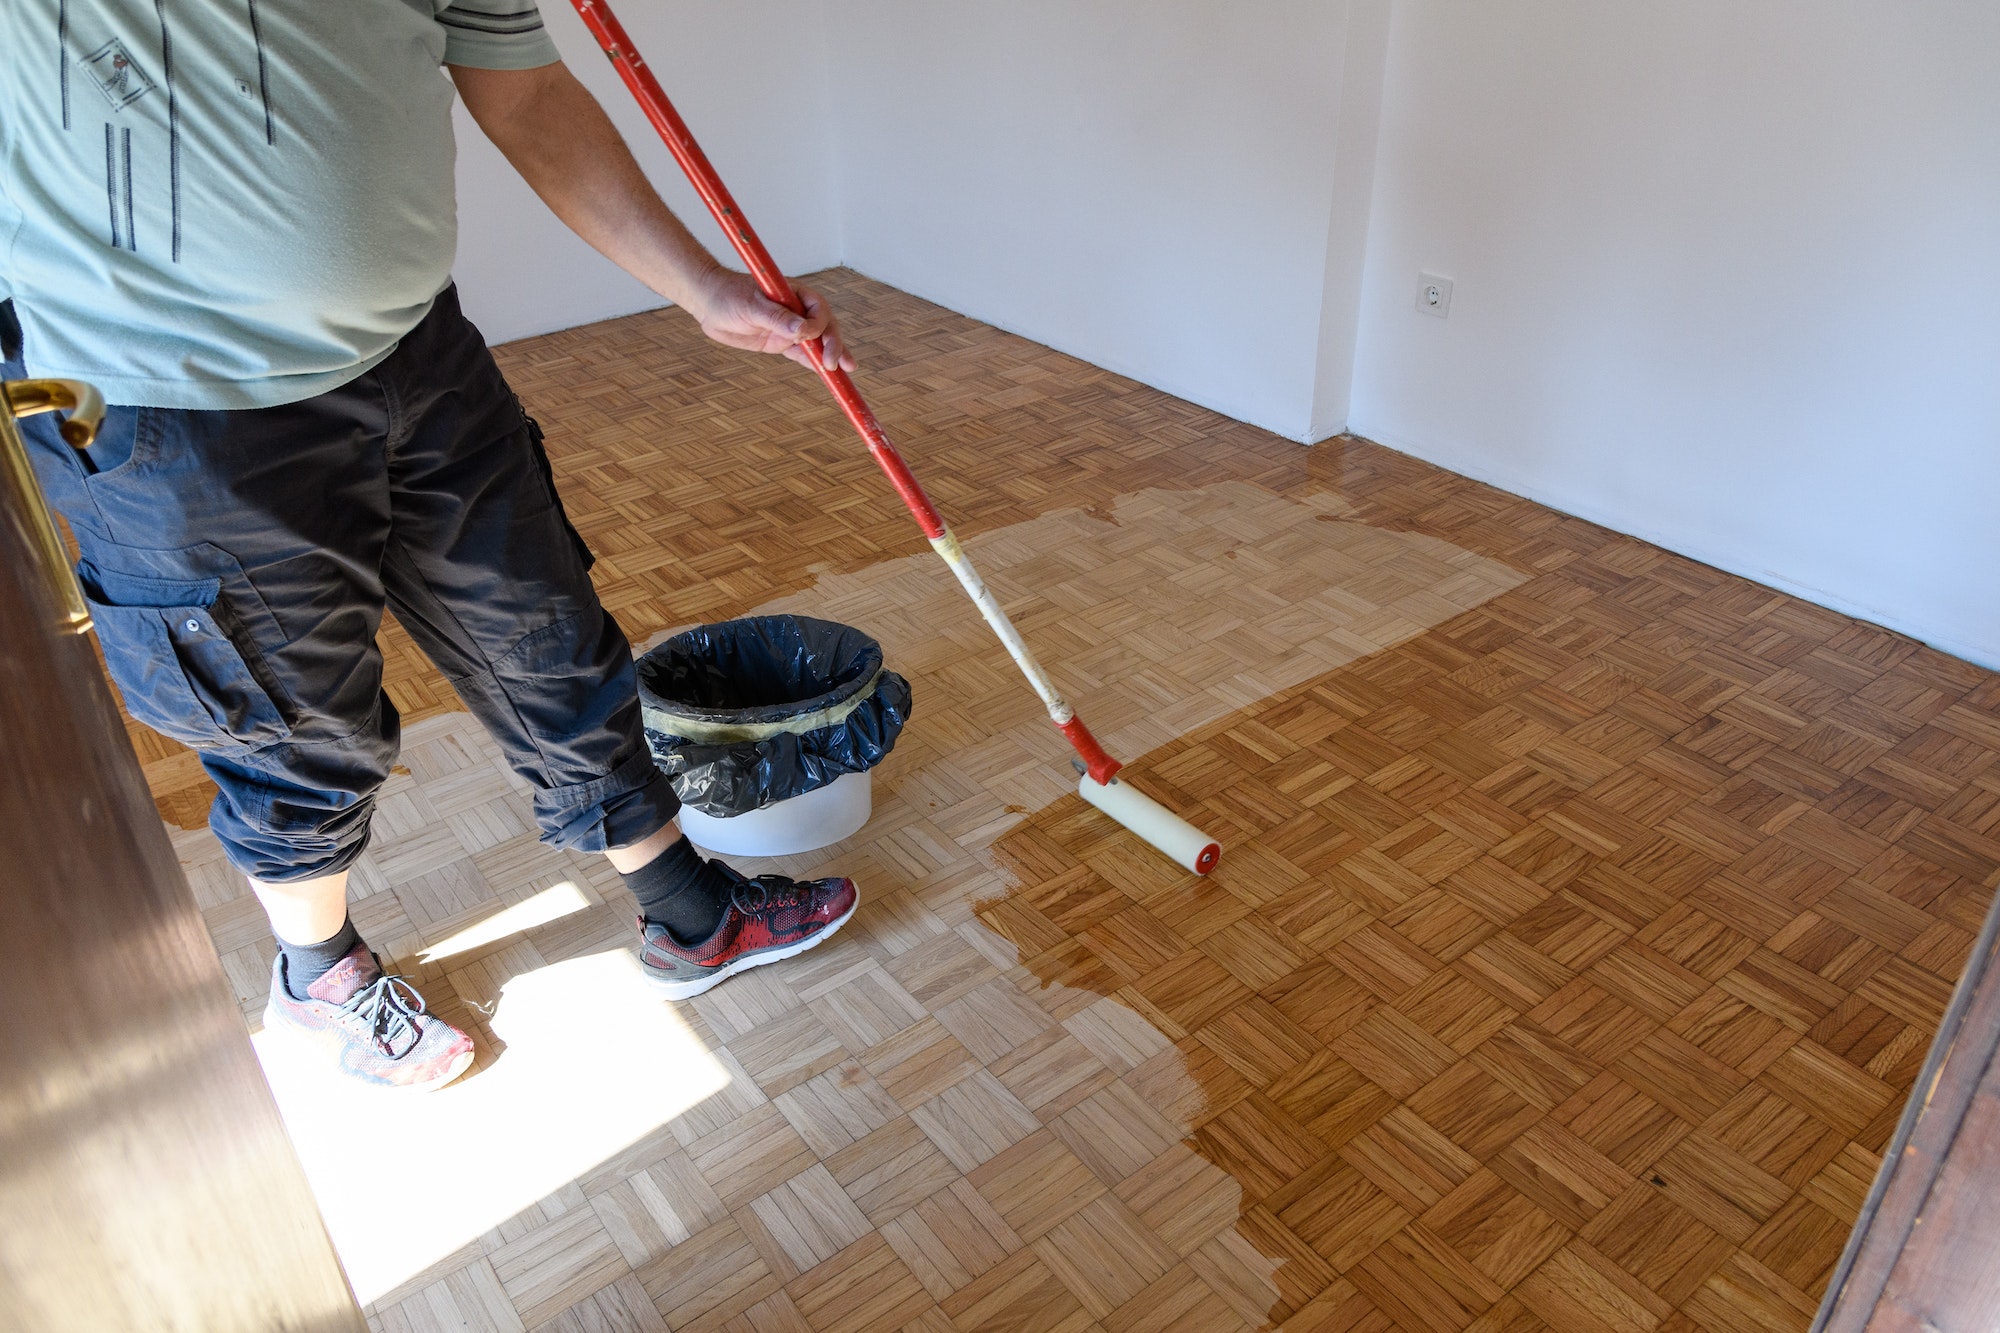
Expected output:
{"points": [[1584, 917]]}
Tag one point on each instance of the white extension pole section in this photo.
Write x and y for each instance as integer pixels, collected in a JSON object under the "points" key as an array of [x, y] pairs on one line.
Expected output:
{"points": [[1173, 836], [954, 555], [1177, 839]]}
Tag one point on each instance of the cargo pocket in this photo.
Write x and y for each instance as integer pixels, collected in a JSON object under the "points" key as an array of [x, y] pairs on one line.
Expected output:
{"points": [[548, 472], [172, 647]]}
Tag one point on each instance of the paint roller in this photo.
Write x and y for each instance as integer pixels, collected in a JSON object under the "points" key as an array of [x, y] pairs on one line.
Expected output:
{"points": [[1173, 836], [1097, 771]]}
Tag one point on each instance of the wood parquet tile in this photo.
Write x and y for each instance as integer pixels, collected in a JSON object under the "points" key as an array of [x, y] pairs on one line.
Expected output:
{"points": [[1584, 918]]}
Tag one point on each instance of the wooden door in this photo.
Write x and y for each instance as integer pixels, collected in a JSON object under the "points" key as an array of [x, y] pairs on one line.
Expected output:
{"points": [[1925, 1255], [145, 1178]]}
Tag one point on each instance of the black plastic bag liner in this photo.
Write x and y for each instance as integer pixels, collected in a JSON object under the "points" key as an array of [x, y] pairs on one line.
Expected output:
{"points": [[750, 712]]}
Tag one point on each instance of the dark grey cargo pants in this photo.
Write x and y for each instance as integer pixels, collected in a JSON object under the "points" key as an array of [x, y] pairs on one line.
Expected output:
{"points": [[238, 562]]}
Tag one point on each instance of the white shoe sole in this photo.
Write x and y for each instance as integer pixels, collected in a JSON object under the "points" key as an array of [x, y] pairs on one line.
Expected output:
{"points": [[687, 990], [458, 1066]]}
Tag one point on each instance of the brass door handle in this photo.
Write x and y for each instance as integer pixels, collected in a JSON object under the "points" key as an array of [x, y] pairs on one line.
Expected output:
{"points": [[24, 398]]}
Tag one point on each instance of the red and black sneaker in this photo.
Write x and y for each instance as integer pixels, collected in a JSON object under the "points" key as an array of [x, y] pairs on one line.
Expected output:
{"points": [[766, 919]]}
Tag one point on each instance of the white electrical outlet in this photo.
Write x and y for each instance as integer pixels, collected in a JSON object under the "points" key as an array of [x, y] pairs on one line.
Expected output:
{"points": [[1434, 294]]}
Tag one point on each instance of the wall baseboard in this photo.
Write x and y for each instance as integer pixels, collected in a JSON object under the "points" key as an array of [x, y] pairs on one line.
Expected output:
{"points": [[1981, 655]]}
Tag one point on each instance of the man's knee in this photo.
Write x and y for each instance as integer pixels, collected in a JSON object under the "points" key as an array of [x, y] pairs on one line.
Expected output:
{"points": [[564, 702]]}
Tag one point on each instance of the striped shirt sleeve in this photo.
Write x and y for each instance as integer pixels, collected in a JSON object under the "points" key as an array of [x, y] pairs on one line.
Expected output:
{"points": [[495, 34]]}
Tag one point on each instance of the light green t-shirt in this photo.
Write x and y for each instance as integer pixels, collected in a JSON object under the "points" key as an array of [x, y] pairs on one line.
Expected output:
{"points": [[233, 204]]}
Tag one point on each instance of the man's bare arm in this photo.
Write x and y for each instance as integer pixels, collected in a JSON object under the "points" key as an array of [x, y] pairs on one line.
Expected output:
{"points": [[556, 135]]}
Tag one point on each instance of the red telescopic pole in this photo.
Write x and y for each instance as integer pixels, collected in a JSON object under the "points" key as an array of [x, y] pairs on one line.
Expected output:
{"points": [[771, 280], [1141, 814]]}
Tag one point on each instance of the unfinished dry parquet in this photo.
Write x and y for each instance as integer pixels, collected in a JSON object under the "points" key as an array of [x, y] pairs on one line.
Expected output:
{"points": [[1584, 917]]}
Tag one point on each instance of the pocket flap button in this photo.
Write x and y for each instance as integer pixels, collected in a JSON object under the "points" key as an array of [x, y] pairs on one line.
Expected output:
{"points": [[191, 625]]}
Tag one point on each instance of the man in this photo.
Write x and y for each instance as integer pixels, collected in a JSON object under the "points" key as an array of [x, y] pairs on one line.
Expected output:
{"points": [[307, 429]]}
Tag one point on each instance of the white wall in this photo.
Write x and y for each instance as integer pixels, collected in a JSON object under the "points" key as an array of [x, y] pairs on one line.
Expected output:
{"points": [[1726, 271], [763, 124], [1351, 158], [1145, 184], [1726, 278]]}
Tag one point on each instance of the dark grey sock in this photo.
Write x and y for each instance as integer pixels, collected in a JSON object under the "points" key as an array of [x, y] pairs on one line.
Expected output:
{"points": [[307, 963], [681, 891]]}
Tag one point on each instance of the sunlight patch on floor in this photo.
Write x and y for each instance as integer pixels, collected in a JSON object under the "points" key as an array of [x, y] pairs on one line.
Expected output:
{"points": [[556, 901]]}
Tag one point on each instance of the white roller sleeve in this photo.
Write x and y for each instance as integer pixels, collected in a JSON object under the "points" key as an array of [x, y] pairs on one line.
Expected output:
{"points": [[1173, 836]]}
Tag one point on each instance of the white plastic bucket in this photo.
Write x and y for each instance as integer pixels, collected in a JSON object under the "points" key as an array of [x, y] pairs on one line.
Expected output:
{"points": [[805, 823]]}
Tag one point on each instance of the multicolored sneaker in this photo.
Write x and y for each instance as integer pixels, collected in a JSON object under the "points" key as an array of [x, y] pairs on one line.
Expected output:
{"points": [[374, 1026], [766, 919]]}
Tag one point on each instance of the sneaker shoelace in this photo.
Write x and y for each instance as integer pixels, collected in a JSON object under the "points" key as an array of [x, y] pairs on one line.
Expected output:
{"points": [[752, 896], [767, 894], [390, 1006]]}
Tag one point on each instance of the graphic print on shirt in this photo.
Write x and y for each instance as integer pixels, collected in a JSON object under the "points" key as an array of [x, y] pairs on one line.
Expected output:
{"points": [[62, 58], [173, 127], [115, 182], [116, 74], [263, 76], [111, 185], [131, 228]]}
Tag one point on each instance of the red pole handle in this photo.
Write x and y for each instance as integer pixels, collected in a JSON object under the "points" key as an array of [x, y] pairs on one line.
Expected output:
{"points": [[638, 77], [1100, 765]]}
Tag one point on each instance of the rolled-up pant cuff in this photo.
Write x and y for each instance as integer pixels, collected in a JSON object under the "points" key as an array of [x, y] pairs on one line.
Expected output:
{"points": [[277, 850], [630, 804]]}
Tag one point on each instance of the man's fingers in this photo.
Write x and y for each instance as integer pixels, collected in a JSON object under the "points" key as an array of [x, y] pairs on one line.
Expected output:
{"points": [[782, 321], [817, 317], [833, 348], [752, 321]]}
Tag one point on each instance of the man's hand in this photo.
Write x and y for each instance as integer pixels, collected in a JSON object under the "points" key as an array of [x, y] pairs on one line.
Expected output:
{"points": [[556, 135], [734, 313]]}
